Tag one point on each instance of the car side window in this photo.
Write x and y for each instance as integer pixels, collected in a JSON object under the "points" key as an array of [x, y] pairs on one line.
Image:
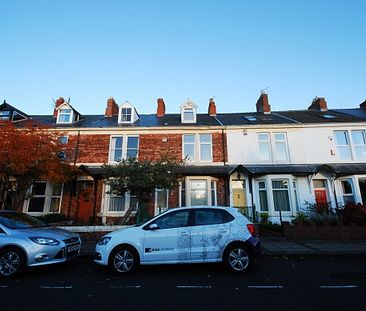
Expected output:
{"points": [[211, 217], [1, 230], [173, 220]]}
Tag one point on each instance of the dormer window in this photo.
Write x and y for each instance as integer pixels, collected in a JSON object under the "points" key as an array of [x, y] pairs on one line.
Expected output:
{"points": [[4, 115], [189, 113], [64, 116], [127, 113], [9, 113]]}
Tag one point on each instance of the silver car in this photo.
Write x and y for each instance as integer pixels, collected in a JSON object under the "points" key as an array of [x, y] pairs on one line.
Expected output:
{"points": [[26, 241]]}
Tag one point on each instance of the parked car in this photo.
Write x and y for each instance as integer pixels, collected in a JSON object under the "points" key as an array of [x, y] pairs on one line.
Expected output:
{"points": [[182, 235], [26, 241]]}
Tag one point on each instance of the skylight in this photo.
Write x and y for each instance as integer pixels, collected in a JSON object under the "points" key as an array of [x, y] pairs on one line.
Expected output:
{"points": [[328, 116], [250, 118]]}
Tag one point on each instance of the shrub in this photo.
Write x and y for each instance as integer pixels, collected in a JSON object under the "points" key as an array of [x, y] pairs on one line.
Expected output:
{"points": [[301, 218], [52, 218], [354, 213], [264, 218]]}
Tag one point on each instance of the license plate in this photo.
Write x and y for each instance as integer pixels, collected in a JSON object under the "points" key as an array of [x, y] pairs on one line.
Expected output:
{"points": [[73, 248]]}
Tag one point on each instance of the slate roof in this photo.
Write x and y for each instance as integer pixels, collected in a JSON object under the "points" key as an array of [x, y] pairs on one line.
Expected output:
{"points": [[307, 116]]}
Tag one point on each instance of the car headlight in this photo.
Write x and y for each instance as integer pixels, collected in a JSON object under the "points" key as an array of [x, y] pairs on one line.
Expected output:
{"points": [[104, 240], [44, 241]]}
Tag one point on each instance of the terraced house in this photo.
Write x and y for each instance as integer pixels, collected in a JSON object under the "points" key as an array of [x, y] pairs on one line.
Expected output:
{"points": [[274, 162]]}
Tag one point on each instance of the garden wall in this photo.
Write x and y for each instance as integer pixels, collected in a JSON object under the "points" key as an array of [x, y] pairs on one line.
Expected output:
{"points": [[324, 232]]}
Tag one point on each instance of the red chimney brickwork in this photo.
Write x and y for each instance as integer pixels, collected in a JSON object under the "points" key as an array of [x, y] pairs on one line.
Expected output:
{"points": [[212, 108], [160, 110], [59, 102], [112, 107], [319, 103], [263, 104], [363, 105]]}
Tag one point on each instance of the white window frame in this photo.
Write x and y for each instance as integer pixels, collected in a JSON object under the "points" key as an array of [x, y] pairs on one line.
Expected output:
{"points": [[126, 116], [133, 116], [272, 150], [280, 141], [197, 147], [270, 199], [353, 145], [187, 181], [71, 115], [188, 107], [157, 209], [343, 194], [124, 147], [106, 200], [48, 196], [348, 145], [266, 193]]}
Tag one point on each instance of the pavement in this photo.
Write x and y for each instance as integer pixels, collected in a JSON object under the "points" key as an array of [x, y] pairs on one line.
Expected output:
{"points": [[280, 246]]}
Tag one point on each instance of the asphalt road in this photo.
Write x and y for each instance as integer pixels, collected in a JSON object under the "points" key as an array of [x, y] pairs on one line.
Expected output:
{"points": [[275, 283]]}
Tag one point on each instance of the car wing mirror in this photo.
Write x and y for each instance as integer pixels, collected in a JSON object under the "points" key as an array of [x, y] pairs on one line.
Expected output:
{"points": [[153, 227]]}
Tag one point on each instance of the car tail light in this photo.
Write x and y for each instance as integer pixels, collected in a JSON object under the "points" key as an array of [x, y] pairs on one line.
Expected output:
{"points": [[251, 229]]}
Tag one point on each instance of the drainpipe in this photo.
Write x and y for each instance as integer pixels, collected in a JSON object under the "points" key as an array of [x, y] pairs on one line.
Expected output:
{"points": [[95, 199], [73, 185]]}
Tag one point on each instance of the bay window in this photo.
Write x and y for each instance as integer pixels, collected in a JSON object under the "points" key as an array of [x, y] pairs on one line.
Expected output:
{"points": [[280, 191], [44, 198], [198, 191]]}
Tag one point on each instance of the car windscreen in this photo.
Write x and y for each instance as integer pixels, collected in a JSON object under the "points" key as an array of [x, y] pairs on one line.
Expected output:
{"points": [[13, 220]]}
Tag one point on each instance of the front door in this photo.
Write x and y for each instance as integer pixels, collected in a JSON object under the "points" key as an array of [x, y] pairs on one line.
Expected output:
{"points": [[239, 194], [170, 241], [320, 191], [320, 196]]}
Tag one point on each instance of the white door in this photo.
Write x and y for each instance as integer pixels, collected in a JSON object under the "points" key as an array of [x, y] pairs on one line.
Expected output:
{"points": [[170, 241]]}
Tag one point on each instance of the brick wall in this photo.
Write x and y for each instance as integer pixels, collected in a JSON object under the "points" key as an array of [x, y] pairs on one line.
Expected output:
{"points": [[325, 232], [219, 147], [154, 146], [91, 148]]}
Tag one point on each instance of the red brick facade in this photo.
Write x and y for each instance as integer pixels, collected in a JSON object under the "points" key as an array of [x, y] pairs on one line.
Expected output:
{"points": [[155, 146]]}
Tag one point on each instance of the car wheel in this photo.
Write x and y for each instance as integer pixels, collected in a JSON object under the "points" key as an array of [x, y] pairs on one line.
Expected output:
{"points": [[123, 260], [12, 262], [237, 258]]}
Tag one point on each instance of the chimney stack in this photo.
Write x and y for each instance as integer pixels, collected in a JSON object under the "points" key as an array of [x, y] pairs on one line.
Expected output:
{"points": [[363, 105], [59, 102], [160, 110], [112, 107], [263, 104], [319, 103], [212, 108]]}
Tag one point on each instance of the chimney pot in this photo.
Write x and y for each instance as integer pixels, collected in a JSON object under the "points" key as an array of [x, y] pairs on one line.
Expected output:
{"points": [[160, 110], [263, 104], [112, 107], [212, 108], [363, 104], [319, 103], [59, 102]]}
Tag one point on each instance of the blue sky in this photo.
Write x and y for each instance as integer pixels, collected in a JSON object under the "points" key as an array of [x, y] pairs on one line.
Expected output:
{"points": [[141, 50]]}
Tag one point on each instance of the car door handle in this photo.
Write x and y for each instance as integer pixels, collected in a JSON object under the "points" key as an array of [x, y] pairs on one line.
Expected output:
{"points": [[184, 233], [222, 231]]}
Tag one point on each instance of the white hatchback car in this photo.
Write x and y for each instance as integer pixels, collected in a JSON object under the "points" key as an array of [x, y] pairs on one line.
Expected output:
{"points": [[182, 235]]}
